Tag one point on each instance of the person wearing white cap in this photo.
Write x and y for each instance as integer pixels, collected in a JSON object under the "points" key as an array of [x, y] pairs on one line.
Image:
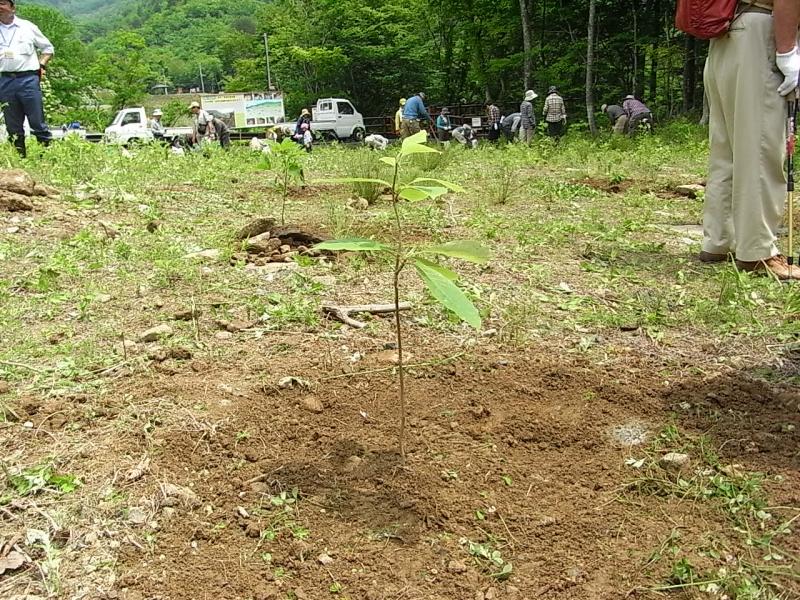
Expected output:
{"points": [[527, 120], [156, 126]]}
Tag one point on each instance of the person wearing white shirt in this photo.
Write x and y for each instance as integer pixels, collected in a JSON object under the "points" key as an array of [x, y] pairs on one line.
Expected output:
{"points": [[24, 54], [208, 126], [156, 126]]}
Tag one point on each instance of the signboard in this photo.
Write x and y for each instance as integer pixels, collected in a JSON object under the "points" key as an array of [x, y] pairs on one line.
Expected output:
{"points": [[476, 122], [250, 109]]}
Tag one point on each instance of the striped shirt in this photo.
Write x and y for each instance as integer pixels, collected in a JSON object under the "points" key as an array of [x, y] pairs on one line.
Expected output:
{"points": [[554, 109], [634, 107], [494, 114]]}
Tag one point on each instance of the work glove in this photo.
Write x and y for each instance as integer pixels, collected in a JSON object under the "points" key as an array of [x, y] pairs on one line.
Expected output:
{"points": [[789, 64]]}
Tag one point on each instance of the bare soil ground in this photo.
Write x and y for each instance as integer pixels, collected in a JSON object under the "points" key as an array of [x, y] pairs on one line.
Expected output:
{"points": [[537, 449]]}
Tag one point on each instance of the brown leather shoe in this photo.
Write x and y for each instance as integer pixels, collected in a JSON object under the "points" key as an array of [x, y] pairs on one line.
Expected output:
{"points": [[710, 257], [777, 266]]}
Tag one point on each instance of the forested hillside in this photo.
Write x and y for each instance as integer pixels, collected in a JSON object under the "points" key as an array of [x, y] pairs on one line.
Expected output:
{"points": [[377, 51]]}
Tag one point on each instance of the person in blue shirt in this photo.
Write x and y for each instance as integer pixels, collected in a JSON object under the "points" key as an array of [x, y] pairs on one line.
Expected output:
{"points": [[414, 113]]}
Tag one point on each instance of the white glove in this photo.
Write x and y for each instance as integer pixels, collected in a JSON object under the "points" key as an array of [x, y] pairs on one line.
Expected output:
{"points": [[789, 65]]}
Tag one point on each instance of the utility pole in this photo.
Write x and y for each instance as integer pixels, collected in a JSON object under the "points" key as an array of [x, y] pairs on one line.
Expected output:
{"points": [[269, 75], [202, 81]]}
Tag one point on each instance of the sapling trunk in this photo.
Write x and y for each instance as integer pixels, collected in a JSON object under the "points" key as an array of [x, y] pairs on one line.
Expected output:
{"points": [[398, 267], [285, 193]]}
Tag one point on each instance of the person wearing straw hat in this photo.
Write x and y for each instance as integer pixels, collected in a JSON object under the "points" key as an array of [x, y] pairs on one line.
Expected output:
{"points": [[156, 126], [527, 120]]}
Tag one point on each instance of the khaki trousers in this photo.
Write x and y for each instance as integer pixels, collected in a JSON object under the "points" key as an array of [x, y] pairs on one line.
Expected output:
{"points": [[409, 127], [744, 198], [526, 135]]}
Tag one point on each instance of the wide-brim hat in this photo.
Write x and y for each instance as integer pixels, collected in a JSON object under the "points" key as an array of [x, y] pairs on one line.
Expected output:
{"points": [[194, 105], [445, 111], [630, 97], [603, 107], [157, 113], [552, 89], [531, 95], [402, 101], [304, 112]]}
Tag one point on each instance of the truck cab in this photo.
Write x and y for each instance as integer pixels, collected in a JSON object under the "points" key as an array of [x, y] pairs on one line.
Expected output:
{"points": [[338, 118], [129, 126]]}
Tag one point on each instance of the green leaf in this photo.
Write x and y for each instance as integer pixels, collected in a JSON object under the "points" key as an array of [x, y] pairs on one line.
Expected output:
{"points": [[448, 294], [417, 149], [353, 180], [352, 245], [440, 182], [416, 193], [418, 138], [504, 573], [389, 161], [445, 272], [463, 249]]}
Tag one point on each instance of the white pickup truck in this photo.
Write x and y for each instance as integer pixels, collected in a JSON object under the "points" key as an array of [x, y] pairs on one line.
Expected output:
{"points": [[132, 126], [337, 118]]}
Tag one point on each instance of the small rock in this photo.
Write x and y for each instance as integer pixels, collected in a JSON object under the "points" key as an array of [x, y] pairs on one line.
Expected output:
{"points": [[12, 230], [242, 512], [186, 315], [479, 595], [11, 202], [211, 253], [312, 404], [17, 181], [358, 203], [290, 383], [489, 333], [576, 574], [155, 333], [90, 539], [392, 357], [137, 516], [353, 463], [690, 190], [103, 298], [255, 228], [491, 594], [675, 461], [457, 566], [284, 248], [5, 387], [223, 335], [185, 495], [167, 513], [325, 560], [179, 353], [110, 231], [126, 347]]}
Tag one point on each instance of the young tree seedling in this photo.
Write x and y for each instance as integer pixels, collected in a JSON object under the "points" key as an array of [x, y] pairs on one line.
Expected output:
{"points": [[286, 161], [440, 281]]}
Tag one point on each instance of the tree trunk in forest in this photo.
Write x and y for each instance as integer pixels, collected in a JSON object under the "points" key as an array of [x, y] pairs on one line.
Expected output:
{"points": [[689, 73], [590, 68], [635, 49], [653, 91], [527, 65]]}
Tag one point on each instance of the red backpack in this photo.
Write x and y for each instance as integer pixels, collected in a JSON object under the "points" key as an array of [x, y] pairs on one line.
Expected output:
{"points": [[705, 19]]}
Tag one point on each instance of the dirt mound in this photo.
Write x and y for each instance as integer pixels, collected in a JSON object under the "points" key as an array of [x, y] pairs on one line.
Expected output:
{"points": [[529, 470], [264, 242], [17, 188]]}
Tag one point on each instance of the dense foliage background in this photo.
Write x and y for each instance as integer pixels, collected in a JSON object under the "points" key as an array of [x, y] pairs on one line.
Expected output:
{"points": [[111, 53]]}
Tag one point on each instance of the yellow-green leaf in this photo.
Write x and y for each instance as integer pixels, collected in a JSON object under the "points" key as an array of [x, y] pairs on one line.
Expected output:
{"points": [[389, 161], [352, 245], [463, 249], [448, 294]]}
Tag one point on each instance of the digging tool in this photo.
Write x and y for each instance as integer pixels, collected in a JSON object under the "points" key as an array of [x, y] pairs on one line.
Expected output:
{"points": [[791, 139]]}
